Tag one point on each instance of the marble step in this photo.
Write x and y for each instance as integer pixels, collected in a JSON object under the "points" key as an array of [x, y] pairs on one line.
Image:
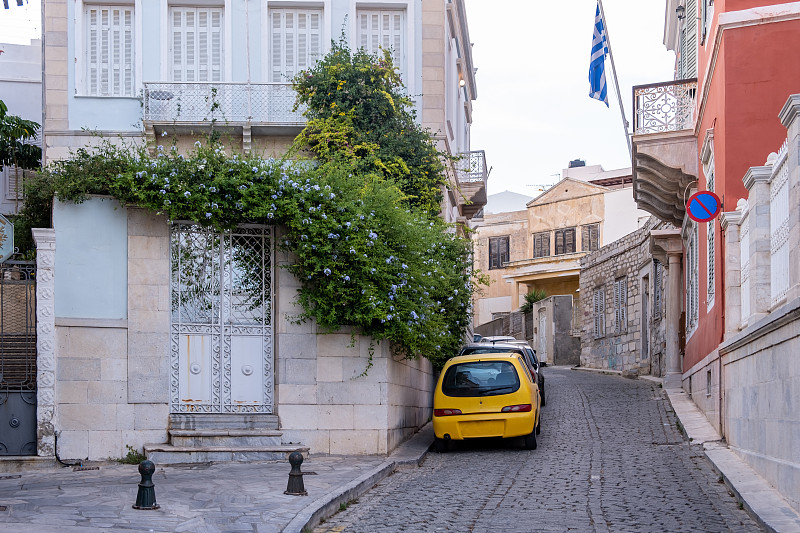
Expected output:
{"points": [[224, 437], [230, 421], [166, 454]]}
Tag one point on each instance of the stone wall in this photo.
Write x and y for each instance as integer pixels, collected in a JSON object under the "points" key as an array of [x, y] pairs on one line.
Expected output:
{"points": [[630, 259], [112, 377], [760, 403]]}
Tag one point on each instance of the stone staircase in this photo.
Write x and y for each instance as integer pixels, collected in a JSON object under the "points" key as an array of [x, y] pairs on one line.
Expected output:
{"points": [[205, 438]]}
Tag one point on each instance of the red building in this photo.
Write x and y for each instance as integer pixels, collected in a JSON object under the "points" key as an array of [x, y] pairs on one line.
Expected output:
{"points": [[714, 128]]}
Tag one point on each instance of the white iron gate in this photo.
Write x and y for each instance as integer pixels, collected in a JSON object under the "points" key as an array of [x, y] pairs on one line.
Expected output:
{"points": [[221, 333]]}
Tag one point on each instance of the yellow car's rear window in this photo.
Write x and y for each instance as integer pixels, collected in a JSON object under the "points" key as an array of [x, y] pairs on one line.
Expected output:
{"points": [[480, 378]]}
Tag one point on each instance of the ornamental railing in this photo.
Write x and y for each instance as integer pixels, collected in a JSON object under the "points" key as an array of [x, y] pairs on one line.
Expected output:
{"points": [[779, 225], [663, 107], [265, 103], [472, 167]]}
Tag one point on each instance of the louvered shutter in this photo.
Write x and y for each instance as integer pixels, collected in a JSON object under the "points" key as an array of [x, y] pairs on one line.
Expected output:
{"points": [[687, 66], [589, 238], [383, 29], [196, 44], [569, 241], [599, 312], [296, 41], [620, 305], [559, 242], [109, 51]]}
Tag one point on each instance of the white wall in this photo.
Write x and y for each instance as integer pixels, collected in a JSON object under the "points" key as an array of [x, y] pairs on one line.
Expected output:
{"points": [[91, 259], [621, 216]]}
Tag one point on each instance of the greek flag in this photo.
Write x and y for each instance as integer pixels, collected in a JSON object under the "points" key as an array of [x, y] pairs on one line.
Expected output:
{"points": [[597, 68]]}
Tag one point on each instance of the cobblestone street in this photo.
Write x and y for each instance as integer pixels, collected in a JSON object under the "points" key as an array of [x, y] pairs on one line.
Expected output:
{"points": [[610, 458]]}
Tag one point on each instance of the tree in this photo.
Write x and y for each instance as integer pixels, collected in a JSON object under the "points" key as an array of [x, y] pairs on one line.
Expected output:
{"points": [[360, 116], [15, 149], [15, 134]]}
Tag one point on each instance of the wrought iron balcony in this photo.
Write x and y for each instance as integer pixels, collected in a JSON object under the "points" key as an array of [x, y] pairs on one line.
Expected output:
{"points": [[192, 103], [664, 147], [472, 177], [663, 107]]}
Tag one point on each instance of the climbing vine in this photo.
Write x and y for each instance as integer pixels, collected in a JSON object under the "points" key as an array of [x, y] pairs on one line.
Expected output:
{"points": [[366, 249]]}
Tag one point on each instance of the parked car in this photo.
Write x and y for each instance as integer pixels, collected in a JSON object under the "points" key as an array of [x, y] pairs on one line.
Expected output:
{"points": [[497, 338], [486, 395], [520, 347]]}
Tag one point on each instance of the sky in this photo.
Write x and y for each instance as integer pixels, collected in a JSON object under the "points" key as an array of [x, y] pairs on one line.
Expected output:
{"points": [[533, 113], [18, 25]]}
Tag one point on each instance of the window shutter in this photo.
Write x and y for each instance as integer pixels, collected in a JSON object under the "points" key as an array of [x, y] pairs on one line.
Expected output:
{"points": [[109, 51], [599, 312], [383, 29], [569, 240], [196, 44], [296, 41], [559, 242], [688, 61]]}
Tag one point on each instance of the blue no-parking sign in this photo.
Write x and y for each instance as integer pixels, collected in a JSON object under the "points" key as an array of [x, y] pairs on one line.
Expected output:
{"points": [[703, 206]]}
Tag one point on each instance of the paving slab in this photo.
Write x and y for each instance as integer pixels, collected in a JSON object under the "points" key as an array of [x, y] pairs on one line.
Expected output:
{"points": [[211, 497]]}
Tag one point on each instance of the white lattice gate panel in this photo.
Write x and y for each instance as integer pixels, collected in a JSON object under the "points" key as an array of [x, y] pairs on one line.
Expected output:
{"points": [[222, 357]]}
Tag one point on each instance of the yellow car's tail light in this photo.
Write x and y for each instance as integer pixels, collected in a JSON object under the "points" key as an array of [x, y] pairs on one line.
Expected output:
{"points": [[447, 412], [521, 408]]}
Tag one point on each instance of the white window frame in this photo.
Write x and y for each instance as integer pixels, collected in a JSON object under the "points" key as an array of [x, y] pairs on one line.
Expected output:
{"points": [[80, 37], [227, 32], [266, 44], [410, 9], [268, 49]]}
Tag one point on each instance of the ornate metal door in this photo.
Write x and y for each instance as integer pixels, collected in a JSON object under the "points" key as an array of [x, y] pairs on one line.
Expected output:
{"points": [[18, 358], [221, 332]]}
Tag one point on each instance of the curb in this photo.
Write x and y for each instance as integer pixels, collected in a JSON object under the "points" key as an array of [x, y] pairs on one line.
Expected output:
{"points": [[761, 501], [410, 453]]}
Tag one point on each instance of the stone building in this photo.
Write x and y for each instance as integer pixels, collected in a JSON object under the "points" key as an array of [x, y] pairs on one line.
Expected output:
{"points": [[623, 305], [115, 359]]}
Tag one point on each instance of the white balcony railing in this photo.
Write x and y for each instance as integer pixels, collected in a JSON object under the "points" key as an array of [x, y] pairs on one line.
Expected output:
{"points": [[473, 168], [264, 103], [663, 107]]}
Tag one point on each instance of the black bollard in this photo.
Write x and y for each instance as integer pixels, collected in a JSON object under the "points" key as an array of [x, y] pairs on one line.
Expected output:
{"points": [[146, 497], [295, 486]]}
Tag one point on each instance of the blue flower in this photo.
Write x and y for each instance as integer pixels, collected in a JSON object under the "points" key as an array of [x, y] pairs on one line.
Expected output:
{"points": [[162, 191], [187, 194], [347, 278], [212, 189], [164, 133], [197, 143], [414, 315], [327, 271], [208, 215], [352, 250]]}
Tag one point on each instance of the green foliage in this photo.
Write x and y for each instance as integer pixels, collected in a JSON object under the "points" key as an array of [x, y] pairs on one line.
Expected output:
{"points": [[531, 298], [15, 132], [360, 118], [133, 457], [364, 258], [361, 219]]}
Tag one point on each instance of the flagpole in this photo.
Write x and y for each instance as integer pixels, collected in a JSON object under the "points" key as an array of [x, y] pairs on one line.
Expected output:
{"points": [[616, 82]]}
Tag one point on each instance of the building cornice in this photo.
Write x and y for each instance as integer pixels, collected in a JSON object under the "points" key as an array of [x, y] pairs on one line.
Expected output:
{"points": [[756, 174], [790, 110], [730, 217]]}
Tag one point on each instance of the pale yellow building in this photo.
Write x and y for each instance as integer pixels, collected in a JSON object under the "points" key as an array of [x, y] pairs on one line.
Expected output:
{"points": [[541, 247]]}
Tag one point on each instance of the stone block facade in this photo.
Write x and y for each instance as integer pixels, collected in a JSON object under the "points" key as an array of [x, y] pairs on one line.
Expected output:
{"points": [[336, 392], [622, 306]]}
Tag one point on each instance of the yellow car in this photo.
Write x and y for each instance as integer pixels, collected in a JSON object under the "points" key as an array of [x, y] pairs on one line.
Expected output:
{"points": [[485, 395]]}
